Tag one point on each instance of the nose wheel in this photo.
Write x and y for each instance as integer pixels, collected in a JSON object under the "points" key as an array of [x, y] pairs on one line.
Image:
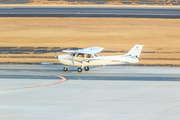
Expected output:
{"points": [[79, 69], [86, 68]]}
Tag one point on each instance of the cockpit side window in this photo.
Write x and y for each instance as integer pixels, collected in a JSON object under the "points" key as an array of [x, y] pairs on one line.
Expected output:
{"points": [[81, 55]]}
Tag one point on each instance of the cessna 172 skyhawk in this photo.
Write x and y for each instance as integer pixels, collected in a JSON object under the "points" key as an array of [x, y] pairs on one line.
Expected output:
{"points": [[86, 57]]}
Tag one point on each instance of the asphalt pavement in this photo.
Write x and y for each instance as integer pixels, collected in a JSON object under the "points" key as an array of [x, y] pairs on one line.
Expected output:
{"points": [[46, 92], [89, 11]]}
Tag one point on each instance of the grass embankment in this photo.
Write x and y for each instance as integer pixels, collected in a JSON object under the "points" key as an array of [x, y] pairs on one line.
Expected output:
{"points": [[160, 37]]}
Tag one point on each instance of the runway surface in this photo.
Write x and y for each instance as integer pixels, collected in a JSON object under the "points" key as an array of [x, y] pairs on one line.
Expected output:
{"points": [[78, 11], [45, 92]]}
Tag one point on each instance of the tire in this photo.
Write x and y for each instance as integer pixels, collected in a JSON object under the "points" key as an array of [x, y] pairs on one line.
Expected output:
{"points": [[65, 69], [86, 68], [79, 69]]}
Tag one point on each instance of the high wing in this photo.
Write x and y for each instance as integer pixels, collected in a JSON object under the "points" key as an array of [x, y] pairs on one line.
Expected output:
{"points": [[90, 50]]}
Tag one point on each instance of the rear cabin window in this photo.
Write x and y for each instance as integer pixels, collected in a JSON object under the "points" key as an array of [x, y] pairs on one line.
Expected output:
{"points": [[89, 56]]}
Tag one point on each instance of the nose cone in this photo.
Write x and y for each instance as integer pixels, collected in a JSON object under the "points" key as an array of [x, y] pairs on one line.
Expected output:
{"points": [[62, 56], [63, 59]]}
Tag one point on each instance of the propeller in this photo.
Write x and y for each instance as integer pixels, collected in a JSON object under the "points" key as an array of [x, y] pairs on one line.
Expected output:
{"points": [[56, 56]]}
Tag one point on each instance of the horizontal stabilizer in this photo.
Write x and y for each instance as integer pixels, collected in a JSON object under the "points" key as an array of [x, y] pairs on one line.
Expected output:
{"points": [[129, 62]]}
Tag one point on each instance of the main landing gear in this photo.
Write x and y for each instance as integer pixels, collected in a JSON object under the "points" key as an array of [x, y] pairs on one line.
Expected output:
{"points": [[65, 68], [79, 69], [86, 68]]}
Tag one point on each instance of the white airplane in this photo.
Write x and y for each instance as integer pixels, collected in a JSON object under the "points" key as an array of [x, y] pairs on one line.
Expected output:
{"points": [[86, 57]]}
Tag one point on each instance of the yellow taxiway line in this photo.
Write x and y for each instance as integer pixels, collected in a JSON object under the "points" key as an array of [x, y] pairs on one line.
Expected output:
{"points": [[63, 79]]}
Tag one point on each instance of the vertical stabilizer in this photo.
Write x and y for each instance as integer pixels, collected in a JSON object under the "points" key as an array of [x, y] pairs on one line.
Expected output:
{"points": [[135, 51]]}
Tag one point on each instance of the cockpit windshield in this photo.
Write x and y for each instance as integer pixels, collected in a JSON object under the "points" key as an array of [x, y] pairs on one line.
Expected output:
{"points": [[73, 54], [96, 55]]}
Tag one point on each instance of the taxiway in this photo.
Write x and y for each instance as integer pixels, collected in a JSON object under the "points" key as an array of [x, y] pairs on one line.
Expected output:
{"points": [[46, 92]]}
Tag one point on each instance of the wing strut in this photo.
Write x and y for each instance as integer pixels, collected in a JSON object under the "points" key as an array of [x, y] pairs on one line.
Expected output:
{"points": [[72, 58]]}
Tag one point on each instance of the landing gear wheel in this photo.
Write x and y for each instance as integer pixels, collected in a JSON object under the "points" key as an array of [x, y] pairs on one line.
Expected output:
{"points": [[86, 68], [79, 69], [65, 69]]}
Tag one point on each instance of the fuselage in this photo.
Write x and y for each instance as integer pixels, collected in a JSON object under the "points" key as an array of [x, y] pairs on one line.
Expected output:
{"points": [[93, 60]]}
